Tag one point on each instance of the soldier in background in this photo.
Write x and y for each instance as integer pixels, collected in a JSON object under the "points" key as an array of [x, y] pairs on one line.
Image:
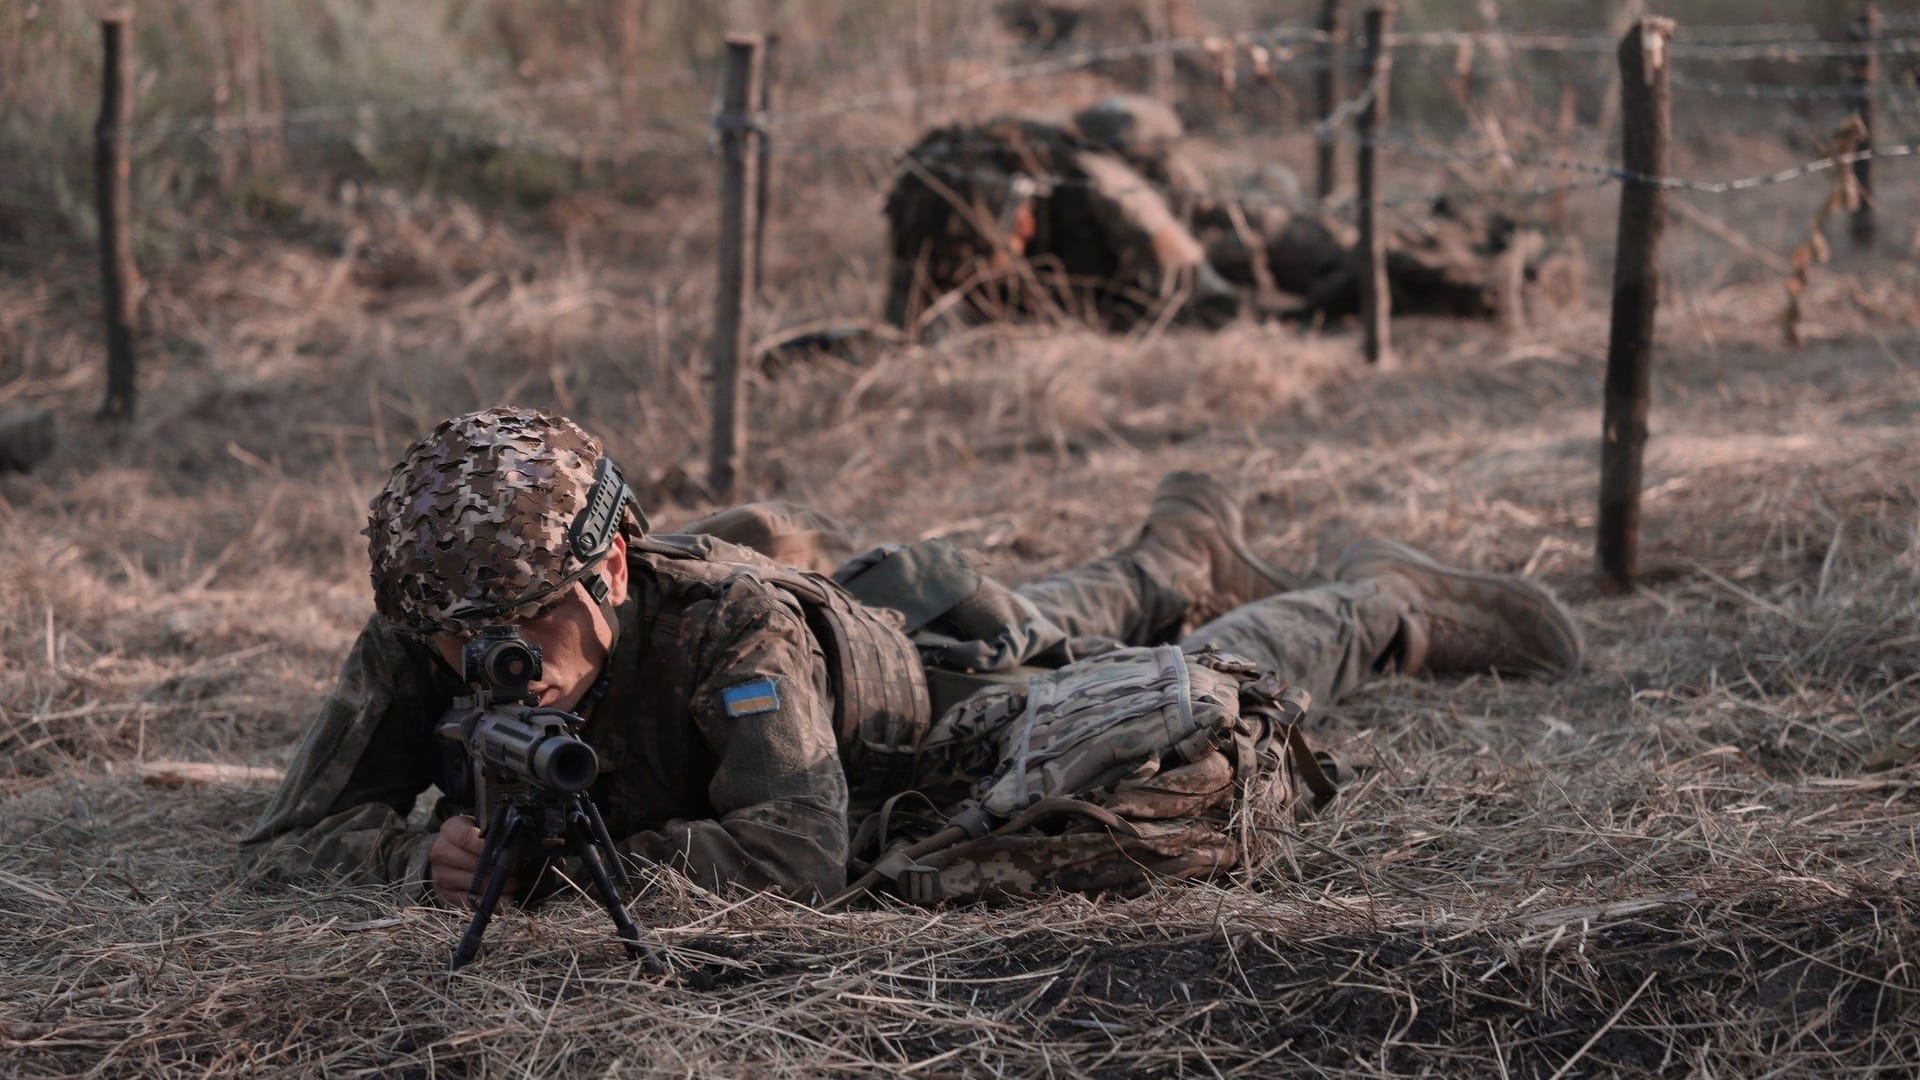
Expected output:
{"points": [[1018, 218], [742, 708], [1457, 261], [1102, 217]]}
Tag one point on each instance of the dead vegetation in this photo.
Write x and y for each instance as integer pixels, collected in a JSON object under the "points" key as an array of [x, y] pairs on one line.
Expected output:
{"points": [[1698, 857]]}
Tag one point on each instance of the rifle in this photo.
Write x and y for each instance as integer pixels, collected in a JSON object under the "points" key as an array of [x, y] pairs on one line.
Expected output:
{"points": [[531, 771]]}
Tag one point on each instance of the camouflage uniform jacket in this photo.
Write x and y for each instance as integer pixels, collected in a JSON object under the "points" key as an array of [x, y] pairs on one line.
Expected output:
{"points": [[757, 799]]}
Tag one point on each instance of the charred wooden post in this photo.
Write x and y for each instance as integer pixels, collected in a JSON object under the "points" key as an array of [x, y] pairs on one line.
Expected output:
{"points": [[739, 166], [763, 177], [1376, 299], [1863, 72], [1645, 113], [113, 191], [1328, 87]]}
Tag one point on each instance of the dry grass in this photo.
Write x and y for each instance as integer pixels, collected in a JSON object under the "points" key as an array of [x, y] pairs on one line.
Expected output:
{"points": [[1698, 857], [1684, 860]]}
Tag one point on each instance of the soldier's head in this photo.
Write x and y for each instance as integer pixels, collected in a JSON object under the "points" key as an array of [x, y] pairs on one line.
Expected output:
{"points": [[507, 516]]}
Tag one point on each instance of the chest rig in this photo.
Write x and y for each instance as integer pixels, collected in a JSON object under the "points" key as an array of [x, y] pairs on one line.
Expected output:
{"points": [[881, 708]]}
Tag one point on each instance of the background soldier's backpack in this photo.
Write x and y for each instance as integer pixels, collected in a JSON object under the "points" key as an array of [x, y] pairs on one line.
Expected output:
{"points": [[1137, 764]]}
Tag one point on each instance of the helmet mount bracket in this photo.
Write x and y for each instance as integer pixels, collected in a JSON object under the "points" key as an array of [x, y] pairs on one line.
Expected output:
{"points": [[598, 522]]}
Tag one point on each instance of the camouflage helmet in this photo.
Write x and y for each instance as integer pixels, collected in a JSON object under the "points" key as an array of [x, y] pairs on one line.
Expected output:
{"points": [[490, 517]]}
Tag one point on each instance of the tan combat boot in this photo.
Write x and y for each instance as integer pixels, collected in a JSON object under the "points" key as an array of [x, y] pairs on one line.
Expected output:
{"points": [[1466, 621], [1193, 541]]}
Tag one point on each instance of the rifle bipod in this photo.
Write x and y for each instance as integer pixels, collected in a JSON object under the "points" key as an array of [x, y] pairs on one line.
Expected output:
{"points": [[536, 824]]}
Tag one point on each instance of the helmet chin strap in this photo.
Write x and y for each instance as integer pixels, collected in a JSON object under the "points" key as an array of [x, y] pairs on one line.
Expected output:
{"points": [[602, 596]]}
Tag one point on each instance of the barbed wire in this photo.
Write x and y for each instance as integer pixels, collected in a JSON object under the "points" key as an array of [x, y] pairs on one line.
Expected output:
{"points": [[1749, 34], [1763, 91], [1800, 134], [383, 118], [1670, 183], [367, 113], [1764, 41], [228, 123], [1594, 174], [621, 142], [1783, 33], [1729, 42], [828, 57], [322, 124], [1280, 35], [1294, 35], [1810, 50], [613, 142], [1718, 88], [1508, 41], [1352, 107], [1679, 49], [430, 130], [691, 75]]}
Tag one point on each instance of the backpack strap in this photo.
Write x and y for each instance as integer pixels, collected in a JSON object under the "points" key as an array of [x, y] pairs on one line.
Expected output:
{"points": [[1284, 707], [918, 880], [875, 826], [1307, 765], [903, 862]]}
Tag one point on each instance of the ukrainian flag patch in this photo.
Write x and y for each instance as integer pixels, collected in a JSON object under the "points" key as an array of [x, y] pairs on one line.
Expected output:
{"points": [[751, 698]]}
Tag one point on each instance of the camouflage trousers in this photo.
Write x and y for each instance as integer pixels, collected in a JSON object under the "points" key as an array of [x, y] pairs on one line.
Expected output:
{"points": [[1325, 639]]}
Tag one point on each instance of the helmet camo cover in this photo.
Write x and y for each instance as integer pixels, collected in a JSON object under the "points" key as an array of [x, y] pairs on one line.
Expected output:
{"points": [[472, 525]]}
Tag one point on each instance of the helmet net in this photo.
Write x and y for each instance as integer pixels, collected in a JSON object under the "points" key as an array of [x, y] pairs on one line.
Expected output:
{"points": [[471, 527]]}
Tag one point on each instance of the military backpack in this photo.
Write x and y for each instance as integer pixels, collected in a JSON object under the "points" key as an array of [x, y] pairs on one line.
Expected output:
{"points": [[1103, 776]]}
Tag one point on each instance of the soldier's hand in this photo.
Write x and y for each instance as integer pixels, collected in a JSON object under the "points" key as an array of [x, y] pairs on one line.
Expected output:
{"points": [[455, 856]]}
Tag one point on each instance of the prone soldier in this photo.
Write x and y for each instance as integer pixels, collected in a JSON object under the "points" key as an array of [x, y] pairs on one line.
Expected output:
{"points": [[741, 708], [1017, 217], [1102, 215]]}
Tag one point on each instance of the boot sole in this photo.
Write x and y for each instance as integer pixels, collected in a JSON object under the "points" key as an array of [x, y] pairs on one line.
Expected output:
{"points": [[1556, 616]]}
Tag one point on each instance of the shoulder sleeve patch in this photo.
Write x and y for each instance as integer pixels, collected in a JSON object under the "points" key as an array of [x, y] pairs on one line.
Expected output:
{"points": [[751, 698]]}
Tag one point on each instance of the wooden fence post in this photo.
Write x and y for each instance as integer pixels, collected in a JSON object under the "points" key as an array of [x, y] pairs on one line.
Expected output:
{"points": [[738, 166], [631, 43], [763, 176], [1862, 74], [1328, 86], [919, 52], [262, 102], [1161, 64], [113, 191], [1645, 119], [1376, 300]]}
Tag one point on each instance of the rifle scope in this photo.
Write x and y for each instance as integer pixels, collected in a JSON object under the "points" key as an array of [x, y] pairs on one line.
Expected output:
{"points": [[535, 745], [498, 660]]}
